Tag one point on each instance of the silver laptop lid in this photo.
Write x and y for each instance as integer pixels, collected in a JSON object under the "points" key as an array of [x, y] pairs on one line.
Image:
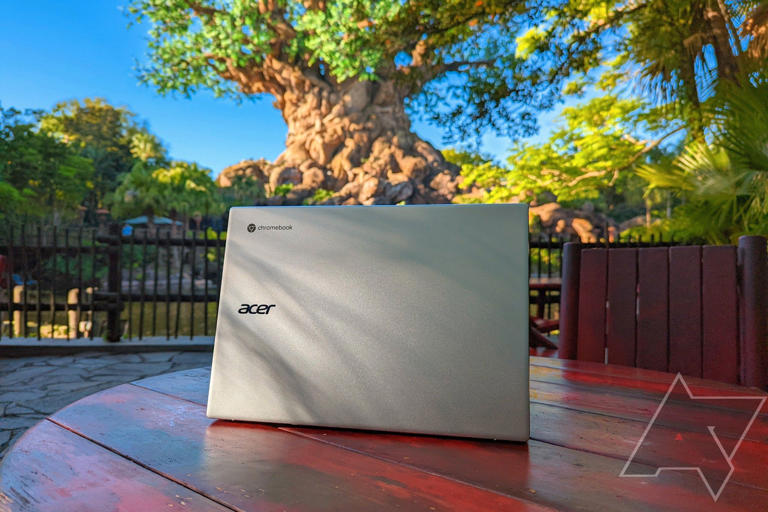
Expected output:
{"points": [[394, 318]]}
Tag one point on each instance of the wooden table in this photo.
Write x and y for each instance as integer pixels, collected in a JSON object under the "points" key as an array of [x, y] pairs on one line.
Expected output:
{"points": [[148, 446]]}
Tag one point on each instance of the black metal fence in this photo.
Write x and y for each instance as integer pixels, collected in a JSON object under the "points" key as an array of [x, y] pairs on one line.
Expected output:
{"points": [[72, 283], [80, 282]]}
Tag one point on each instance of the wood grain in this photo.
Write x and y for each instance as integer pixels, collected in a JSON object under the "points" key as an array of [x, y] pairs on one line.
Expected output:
{"points": [[685, 310], [620, 322], [260, 467], [592, 294], [53, 469], [652, 308], [720, 330]]}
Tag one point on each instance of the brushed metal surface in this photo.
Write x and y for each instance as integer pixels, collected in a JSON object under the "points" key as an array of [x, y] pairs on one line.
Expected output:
{"points": [[394, 318]]}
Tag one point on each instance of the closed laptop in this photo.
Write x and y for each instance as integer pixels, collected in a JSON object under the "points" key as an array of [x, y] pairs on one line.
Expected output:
{"points": [[391, 318]]}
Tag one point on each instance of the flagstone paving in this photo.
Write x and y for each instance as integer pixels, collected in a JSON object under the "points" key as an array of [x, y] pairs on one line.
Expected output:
{"points": [[32, 388]]}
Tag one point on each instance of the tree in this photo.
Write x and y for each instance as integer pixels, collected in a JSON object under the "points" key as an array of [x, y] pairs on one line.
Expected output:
{"points": [[723, 185], [244, 190], [179, 189], [676, 50], [108, 135], [39, 175], [188, 190], [343, 74], [139, 193]]}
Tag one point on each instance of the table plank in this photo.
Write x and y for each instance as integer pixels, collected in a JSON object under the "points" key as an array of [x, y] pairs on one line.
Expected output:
{"points": [[552, 475], [605, 424], [640, 375], [258, 467], [627, 386], [192, 385], [53, 469], [682, 414], [617, 438]]}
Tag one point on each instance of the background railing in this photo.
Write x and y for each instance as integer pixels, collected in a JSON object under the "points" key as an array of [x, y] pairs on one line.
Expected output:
{"points": [[79, 282]]}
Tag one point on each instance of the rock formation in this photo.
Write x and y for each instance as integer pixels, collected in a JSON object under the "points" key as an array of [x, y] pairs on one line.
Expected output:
{"points": [[354, 141]]}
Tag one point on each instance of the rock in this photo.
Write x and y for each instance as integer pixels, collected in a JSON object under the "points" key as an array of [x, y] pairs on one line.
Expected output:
{"points": [[313, 178], [631, 223], [546, 213], [414, 167], [275, 201], [398, 192], [584, 230], [297, 194], [285, 175], [255, 168], [370, 188], [445, 184], [351, 189], [351, 201], [323, 146]]}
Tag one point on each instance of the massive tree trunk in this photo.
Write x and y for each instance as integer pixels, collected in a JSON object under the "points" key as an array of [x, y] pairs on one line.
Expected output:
{"points": [[356, 140]]}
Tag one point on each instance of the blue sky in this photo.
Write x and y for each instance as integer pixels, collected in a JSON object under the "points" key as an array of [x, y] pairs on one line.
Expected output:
{"points": [[55, 50]]}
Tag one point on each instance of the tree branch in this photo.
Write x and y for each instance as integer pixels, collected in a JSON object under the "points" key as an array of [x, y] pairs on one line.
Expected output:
{"points": [[616, 171]]}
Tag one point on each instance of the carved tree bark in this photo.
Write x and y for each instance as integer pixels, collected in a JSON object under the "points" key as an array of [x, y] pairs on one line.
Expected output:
{"points": [[356, 140]]}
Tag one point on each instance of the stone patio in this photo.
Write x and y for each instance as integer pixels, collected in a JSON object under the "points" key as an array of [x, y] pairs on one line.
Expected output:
{"points": [[32, 388]]}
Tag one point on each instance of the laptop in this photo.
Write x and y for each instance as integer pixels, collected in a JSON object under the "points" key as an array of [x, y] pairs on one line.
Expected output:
{"points": [[390, 318]]}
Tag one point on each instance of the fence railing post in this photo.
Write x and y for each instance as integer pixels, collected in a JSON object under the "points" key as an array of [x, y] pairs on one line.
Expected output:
{"points": [[114, 284]]}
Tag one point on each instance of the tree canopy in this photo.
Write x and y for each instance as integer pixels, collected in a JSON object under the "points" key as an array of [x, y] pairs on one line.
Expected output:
{"points": [[244, 47], [39, 175], [110, 136]]}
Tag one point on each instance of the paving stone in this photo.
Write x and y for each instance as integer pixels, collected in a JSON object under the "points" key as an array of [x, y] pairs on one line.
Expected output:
{"points": [[156, 357], [22, 396], [14, 422], [199, 358], [23, 374], [141, 368], [9, 365], [16, 410]]}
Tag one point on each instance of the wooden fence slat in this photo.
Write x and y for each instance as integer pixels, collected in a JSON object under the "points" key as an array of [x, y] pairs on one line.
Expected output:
{"points": [[685, 310], [652, 308], [720, 336], [592, 288], [620, 311]]}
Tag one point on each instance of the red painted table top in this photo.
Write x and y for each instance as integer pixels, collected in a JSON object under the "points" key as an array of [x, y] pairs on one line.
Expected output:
{"points": [[148, 446]]}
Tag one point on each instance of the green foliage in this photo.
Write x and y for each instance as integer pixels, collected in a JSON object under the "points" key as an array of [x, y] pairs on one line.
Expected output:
{"points": [[241, 47], [319, 196], [479, 171], [39, 175], [282, 190], [590, 156], [110, 136], [139, 193], [188, 188], [180, 188], [674, 50], [244, 191], [594, 150], [723, 185]]}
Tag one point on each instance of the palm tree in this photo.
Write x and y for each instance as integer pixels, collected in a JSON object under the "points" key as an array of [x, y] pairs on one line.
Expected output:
{"points": [[139, 193], [723, 184]]}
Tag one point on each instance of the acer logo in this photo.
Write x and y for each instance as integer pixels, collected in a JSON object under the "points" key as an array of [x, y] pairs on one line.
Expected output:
{"points": [[255, 309]]}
